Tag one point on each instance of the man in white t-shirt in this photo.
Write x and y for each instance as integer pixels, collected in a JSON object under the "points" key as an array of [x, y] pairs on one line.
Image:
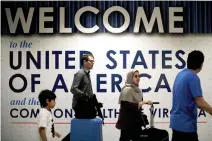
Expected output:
{"points": [[45, 120]]}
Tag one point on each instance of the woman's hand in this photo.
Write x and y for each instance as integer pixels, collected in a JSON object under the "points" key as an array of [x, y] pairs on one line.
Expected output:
{"points": [[149, 102]]}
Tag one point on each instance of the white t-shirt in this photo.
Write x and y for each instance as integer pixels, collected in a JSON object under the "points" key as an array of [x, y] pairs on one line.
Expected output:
{"points": [[45, 120]]}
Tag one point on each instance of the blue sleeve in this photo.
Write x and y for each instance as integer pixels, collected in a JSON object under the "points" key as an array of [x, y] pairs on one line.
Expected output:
{"points": [[195, 87]]}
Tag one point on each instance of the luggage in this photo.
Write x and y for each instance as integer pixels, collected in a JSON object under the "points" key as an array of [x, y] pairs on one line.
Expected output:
{"points": [[88, 107], [86, 130], [152, 133]]}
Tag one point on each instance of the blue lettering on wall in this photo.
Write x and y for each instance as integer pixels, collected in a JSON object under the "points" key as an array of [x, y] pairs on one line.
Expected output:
{"points": [[29, 57], [136, 61], [180, 59], [33, 81], [165, 59], [111, 59], [116, 83], [57, 60], [125, 52], [159, 84], [99, 82], [149, 77], [153, 52], [47, 60], [62, 86], [69, 59]]}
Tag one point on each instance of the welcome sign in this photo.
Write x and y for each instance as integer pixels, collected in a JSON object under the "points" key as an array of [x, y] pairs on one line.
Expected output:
{"points": [[42, 43]]}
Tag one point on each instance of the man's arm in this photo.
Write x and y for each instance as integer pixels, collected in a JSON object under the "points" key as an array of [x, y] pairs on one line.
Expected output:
{"points": [[75, 85], [196, 90], [42, 133], [203, 105]]}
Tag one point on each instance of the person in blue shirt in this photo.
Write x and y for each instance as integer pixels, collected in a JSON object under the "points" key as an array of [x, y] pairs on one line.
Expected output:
{"points": [[187, 97]]}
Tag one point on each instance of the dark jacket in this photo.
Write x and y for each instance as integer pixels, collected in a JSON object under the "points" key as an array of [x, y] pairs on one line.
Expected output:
{"points": [[81, 86], [129, 116]]}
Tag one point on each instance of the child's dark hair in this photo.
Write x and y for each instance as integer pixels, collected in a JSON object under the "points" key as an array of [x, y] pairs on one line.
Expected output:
{"points": [[44, 95]]}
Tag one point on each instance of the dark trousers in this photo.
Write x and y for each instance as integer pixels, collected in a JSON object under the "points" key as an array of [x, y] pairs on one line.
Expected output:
{"points": [[184, 136], [131, 134]]}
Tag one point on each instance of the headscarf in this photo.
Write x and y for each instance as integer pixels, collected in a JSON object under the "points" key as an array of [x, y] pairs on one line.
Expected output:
{"points": [[130, 92]]}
